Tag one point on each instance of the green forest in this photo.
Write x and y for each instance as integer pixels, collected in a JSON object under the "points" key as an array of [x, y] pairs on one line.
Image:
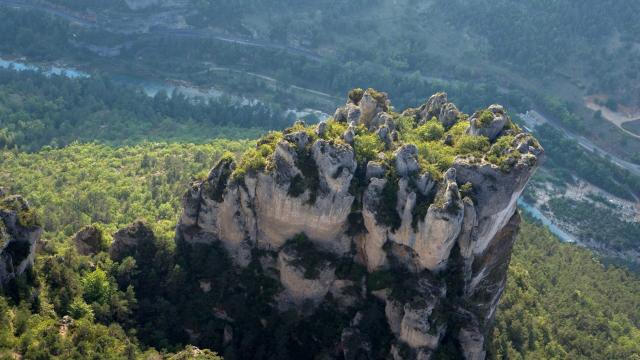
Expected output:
{"points": [[37, 110], [412, 64], [98, 154], [557, 304]]}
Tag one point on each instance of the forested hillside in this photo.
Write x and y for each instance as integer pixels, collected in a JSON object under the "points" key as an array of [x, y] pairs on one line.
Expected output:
{"points": [[36, 110], [95, 154], [407, 47], [558, 303], [574, 39]]}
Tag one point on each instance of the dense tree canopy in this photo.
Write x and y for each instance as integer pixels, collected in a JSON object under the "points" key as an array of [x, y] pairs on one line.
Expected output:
{"points": [[36, 110], [557, 303]]}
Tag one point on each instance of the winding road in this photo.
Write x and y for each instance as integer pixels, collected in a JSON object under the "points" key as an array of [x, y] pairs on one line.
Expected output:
{"points": [[533, 118], [50, 9], [156, 30]]}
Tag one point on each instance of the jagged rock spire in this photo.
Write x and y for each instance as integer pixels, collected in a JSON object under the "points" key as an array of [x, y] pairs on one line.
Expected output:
{"points": [[448, 230]]}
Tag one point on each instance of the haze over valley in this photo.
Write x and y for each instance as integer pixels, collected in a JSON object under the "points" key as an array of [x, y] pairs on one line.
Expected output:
{"points": [[294, 179]]}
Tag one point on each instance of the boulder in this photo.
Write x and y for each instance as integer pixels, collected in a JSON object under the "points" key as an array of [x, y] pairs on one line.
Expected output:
{"points": [[321, 128], [374, 169], [304, 278], [406, 160], [439, 107], [489, 123], [89, 240], [135, 240], [19, 233]]}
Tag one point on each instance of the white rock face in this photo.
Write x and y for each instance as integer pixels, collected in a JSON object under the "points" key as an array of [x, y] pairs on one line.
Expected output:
{"points": [[414, 328], [435, 234], [394, 312], [398, 221], [263, 212], [407, 160], [472, 343], [17, 240], [281, 216], [299, 288], [372, 110], [496, 197], [368, 106], [492, 128], [377, 235], [438, 106], [413, 322]]}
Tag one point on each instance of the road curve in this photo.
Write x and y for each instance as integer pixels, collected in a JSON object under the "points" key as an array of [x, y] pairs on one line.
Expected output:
{"points": [[533, 118], [190, 33]]}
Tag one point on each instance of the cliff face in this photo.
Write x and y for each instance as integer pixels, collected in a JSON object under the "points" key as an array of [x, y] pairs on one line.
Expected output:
{"points": [[424, 201], [19, 232]]}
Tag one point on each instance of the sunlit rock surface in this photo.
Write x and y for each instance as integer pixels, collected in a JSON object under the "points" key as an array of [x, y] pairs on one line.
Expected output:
{"points": [[19, 233], [434, 246]]}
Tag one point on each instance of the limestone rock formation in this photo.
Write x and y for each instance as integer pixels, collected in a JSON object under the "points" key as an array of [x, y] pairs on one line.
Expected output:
{"points": [[88, 240], [19, 232], [131, 240], [489, 122], [439, 107], [433, 237]]}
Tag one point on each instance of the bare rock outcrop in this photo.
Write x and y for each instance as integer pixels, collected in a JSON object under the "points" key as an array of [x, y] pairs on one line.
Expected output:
{"points": [[439, 107], [489, 123], [19, 232], [89, 240], [432, 238], [302, 281], [137, 238], [365, 107]]}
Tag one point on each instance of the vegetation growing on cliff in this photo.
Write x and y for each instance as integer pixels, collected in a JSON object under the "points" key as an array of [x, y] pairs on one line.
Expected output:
{"points": [[437, 148], [26, 216], [556, 296], [310, 258]]}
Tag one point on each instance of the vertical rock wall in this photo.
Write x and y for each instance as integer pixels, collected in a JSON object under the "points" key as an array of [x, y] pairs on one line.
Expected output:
{"points": [[445, 247], [19, 232]]}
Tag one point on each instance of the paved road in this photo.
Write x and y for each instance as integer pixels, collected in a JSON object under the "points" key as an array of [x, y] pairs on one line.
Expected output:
{"points": [[50, 10], [197, 33], [207, 34], [190, 33], [533, 118]]}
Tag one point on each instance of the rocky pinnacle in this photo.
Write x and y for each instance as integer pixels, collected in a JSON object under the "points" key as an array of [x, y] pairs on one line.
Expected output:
{"points": [[447, 226]]}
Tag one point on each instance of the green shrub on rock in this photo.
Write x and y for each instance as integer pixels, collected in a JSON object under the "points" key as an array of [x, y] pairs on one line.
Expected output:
{"points": [[431, 130], [472, 145], [367, 146]]}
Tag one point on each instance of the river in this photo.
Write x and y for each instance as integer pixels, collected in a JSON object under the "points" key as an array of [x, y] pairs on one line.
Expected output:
{"points": [[150, 87], [48, 70], [538, 215]]}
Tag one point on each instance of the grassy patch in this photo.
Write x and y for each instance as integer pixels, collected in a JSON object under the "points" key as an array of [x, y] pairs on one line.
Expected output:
{"points": [[501, 151]]}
